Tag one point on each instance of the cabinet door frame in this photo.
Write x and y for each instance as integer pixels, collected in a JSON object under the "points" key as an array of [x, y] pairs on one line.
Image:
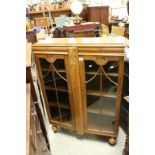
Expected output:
{"points": [[100, 57], [51, 57]]}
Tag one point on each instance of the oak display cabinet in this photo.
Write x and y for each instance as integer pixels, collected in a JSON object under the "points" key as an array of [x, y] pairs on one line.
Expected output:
{"points": [[81, 82]]}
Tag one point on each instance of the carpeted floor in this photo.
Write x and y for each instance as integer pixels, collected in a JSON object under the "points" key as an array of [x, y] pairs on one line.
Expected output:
{"points": [[68, 143]]}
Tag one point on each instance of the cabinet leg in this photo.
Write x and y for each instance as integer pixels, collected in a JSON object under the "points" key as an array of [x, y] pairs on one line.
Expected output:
{"points": [[112, 141], [55, 129]]}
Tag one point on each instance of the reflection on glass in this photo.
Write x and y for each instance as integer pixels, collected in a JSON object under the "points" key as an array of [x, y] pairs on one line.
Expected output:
{"points": [[56, 88], [91, 66], [111, 67]]}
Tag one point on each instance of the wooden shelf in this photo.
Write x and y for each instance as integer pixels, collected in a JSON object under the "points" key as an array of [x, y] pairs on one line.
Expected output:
{"points": [[98, 93], [107, 107], [58, 89], [54, 104], [110, 74], [59, 70], [49, 81], [103, 112], [52, 11]]}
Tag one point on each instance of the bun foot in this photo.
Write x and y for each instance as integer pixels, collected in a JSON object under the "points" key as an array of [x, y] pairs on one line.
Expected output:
{"points": [[112, 141], [55, 129]]}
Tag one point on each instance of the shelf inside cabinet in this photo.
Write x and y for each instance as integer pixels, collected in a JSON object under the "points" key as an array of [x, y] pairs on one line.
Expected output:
{"points": [[65, 116], [62, 89], [50, 69], [111, 92], [109, 74], [55, 84], [62, 105], [101, 105], [100, 85], [98, 93], [54, 96]]}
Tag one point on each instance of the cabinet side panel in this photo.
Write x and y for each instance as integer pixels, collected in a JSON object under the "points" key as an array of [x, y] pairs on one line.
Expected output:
{"points": [[119, 92]]}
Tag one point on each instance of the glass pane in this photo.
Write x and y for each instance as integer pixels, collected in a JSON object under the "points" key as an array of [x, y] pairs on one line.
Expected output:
{"points": [[51, 96], [60, 82], [64, 98], [64, 107], [94, 84], [93, 121], [55, 115], [55, 83], [59, 64], [109, 85], [107, 123], [44, 63], [66, 116], [101, 90], [93, 104], [108, 106], [48, 79], [100, 122], [101, 105]]}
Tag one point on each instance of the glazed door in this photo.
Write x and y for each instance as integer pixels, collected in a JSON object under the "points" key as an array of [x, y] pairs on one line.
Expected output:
{"points": [[54, 78], [100, 86]]}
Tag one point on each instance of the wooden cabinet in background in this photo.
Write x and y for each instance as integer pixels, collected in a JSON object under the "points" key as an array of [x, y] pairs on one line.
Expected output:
{"points": [[36, 144], [99, 14], [81, 83], [36, 136], [31, 36]]}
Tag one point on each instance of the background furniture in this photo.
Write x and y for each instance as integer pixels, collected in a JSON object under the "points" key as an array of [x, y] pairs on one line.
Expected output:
{"points": [[99, 14], [36, 144], [126, 149], [42, 22], [118, 30], [116, 23], [81, 81], [82, 30], [31, 36], [36, 135], [87, 33], [124, 119], [54, 12], [125, 102]]}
